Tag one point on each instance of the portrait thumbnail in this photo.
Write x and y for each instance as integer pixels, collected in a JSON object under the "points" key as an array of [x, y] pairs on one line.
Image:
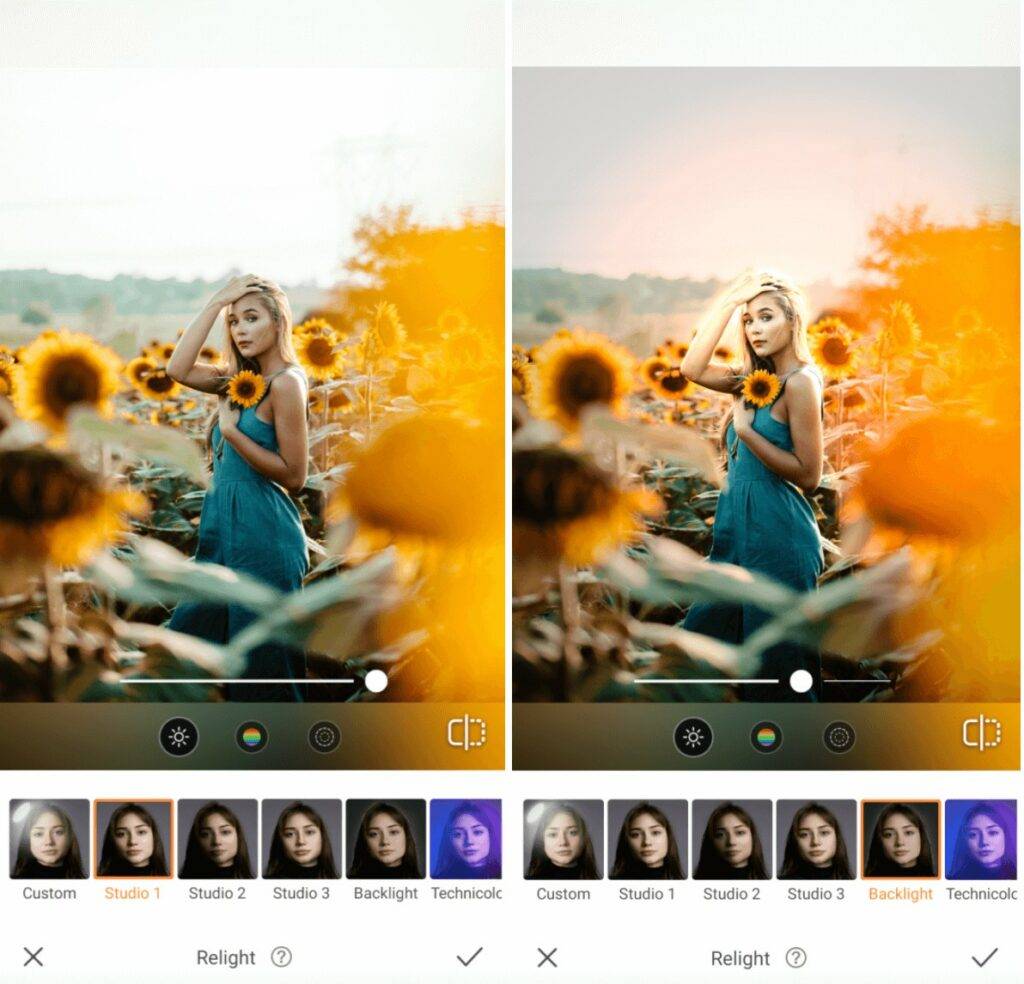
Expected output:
{"points": [[563, 839], [816, 839], [301, 838], [49, 838], [901, 840], [981, 840], [465, 838], [135, 838], [218, 838], [733, 839], [647, 839], [386, 838]]}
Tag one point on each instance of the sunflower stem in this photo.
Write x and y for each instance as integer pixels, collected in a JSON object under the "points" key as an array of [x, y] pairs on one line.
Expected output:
{"points": [[56, 616], [570, 603]]}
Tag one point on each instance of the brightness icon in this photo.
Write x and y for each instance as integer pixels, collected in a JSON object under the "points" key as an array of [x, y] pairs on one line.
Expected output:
{"points": [[693, 737], [179, 736]]}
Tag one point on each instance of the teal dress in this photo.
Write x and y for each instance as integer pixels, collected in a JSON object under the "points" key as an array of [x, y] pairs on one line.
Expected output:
{"points": [[765, 524], [249, 524]]}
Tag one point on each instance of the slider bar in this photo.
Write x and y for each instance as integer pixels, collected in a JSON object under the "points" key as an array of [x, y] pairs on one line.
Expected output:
{"points": [[220, 683]]}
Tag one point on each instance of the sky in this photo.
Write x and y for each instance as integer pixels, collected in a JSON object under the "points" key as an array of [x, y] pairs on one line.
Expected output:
{"points": [[186, 139], [701, 172]]}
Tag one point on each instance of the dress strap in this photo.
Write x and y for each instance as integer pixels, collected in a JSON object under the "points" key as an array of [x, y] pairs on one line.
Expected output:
{"points": [[269, 379]]}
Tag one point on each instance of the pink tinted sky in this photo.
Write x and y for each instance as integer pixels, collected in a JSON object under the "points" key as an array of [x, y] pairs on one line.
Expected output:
{"points": [[700, 172]]}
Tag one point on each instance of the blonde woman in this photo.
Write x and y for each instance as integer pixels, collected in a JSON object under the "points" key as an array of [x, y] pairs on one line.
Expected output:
{"points": [[260, 453], [774, 445]]}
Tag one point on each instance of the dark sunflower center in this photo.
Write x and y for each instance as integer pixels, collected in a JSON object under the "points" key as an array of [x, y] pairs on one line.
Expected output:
{"points": [[655, 370], [586, 379], [245, 389], [38, 487], [320, 352], [141, 370], [760, 388], [159, 382], [550, 486], [70, 380], [674, 381], [834, 352]]}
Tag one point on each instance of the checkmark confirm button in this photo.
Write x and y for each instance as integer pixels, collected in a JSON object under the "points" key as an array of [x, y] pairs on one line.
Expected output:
{"points": [[466, 961], [985, 960]]}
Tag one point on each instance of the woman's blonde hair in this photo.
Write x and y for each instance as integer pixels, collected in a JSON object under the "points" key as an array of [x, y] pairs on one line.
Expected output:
{"points": [[793, 302]]}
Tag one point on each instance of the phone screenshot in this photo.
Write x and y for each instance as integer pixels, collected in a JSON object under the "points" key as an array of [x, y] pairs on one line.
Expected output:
{"points": [[229, 539], [510, 490]]}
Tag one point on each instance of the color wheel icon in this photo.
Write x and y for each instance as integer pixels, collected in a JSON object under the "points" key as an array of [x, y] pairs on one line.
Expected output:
{"points": [[766, 736], [252, 736]]}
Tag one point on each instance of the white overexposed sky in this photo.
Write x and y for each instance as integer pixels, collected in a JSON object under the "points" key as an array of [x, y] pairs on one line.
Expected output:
{"points": [[703, 171], [184, 139]]}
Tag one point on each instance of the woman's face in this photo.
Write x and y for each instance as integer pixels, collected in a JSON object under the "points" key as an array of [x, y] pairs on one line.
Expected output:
{"points": [[133, 838], [251, 326], [901, 840], [49, 839], [563, 840], [816, 840], [733, 841], [218, 840], [648, 840], [471, 840], [385, 837], [765, 325], [301, 840], [986, 841]]}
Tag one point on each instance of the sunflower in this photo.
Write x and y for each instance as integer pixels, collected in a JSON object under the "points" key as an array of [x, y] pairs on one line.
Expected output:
{"points": [[157, 385], [458, 502], [829, 326], [566, 508], [138, 369], [835, 356], [7, 371], [54, 511], [578, 370], [337, 400], [522, 375], [210, 354], [760, 388], [319, 356], [388, 326], [651, 370], [677, 351], [246, 389], [314, 326], [673, 385], [724, 353], [919, 480], [61, 370], [452, 319], [901, 333]]}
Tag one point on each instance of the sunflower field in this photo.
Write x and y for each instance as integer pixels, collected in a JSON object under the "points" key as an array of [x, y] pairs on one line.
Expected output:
{"points": [[104, 464], [617, 466]]}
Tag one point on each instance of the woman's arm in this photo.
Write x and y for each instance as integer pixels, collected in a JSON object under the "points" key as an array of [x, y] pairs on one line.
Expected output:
{"points": [[288, 465], [801, 466], [182, 365], [697, 364]]}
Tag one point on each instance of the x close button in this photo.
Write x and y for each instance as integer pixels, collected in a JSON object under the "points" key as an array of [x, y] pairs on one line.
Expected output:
{"points": [[33, 957], [547, 957]]}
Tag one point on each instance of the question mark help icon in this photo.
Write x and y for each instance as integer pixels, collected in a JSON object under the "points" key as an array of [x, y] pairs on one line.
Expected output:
{"points": [[280, 956]]}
